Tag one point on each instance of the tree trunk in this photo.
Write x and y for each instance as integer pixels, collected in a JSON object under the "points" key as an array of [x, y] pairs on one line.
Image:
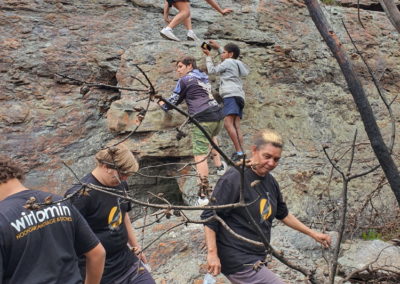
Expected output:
{"points": [[378, 145], [392, 12]]}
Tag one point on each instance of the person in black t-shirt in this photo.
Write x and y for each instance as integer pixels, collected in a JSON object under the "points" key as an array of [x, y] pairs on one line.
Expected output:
{"points": [[108, 217], [41, 246], [233, 257]]}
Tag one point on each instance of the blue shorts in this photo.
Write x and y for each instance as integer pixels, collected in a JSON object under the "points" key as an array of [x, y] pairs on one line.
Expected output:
{"points": [[233, 106]]}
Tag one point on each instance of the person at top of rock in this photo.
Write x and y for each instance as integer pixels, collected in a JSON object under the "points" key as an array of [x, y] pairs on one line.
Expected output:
{"points": [[231, 71], [239, 260], [40, 244], [194, 88], [108, 217], [184, 17]]}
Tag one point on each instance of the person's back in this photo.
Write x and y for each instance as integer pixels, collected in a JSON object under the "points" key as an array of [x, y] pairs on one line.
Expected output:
{"points": [[41, 245], [231, 84]]}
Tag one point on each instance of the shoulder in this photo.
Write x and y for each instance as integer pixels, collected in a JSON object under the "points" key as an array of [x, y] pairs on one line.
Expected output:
{"points": [[89, 178]]}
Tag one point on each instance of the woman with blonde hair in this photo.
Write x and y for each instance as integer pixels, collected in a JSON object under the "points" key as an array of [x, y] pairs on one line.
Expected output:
{"points": [[235, 258]]}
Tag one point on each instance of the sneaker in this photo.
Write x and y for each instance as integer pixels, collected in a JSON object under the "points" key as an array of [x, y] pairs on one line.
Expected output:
{"points": [[236, 157], [168, 34], [192, 36], [222, 169], [202, 201]]}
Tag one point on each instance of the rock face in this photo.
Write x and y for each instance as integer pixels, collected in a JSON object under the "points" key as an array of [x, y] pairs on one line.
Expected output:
{"points": [[295, 86]]}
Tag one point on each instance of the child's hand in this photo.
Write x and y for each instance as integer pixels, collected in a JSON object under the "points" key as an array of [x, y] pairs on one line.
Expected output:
{"points": [[213, 44], [226, 11], [206, 51]]}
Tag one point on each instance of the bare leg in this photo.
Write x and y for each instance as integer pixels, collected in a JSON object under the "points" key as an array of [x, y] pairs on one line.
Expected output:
{"points": [[232, 126], [184, 13], [202, 167], [216, 156], [188, 23]]}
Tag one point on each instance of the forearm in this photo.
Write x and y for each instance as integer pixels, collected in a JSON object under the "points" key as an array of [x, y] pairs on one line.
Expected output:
{"points": [[210, 65], [294, 223], [211, 241], [215, 5], [95, 259]]}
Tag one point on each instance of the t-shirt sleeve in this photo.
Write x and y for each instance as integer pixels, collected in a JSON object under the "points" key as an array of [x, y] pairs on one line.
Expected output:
{"points": [[80, 201], [85, 239], [177, 96], [211, 68], [281, 208], [226, 191]]}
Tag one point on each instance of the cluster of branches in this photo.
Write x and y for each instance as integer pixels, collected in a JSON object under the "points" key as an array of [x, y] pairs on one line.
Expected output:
{"points": [[382, 152]]}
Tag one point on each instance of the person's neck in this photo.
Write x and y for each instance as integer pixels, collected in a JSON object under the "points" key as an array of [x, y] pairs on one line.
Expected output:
{"points": [[11, 187], [99, 174]]}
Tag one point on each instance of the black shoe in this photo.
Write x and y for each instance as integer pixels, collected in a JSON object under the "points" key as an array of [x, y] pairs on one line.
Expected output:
{"points": [[237, 157]]}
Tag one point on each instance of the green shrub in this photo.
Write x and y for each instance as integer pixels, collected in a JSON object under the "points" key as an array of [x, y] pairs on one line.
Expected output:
{"points": [[371, 235]]}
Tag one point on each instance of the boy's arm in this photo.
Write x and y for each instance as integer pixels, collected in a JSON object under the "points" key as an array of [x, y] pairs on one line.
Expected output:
{"points": [[215, 5], [95, 259], [176, 98], [132, 240], [214, 69]]}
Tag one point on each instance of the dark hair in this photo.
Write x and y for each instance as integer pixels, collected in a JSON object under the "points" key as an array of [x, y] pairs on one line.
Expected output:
{"points": [[10, 170], [231, 47], [188, 60]]}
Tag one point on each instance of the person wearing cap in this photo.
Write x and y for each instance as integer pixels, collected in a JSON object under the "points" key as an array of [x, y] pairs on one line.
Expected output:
{"points": [[108, 217], [40, 244]]}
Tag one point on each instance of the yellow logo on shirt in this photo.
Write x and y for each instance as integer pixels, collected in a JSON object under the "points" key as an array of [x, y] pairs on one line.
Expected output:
{"points": [[114, 218], [265, 209]]}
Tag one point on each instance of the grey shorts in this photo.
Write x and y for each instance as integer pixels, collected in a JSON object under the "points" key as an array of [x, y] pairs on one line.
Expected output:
{"points": [[250, 276]]}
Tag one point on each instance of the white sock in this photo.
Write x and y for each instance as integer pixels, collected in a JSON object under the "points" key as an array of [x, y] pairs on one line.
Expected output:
{"points": [[168, 29]]}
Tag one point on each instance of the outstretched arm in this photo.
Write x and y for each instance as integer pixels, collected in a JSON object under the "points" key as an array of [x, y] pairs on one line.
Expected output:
{"points": [[294, 223], [218, 8], [213, 262]]}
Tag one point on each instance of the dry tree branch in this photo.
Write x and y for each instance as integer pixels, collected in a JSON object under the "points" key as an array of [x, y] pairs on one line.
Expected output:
{"points": [[100, 85], [358, 14], [342, 224]]}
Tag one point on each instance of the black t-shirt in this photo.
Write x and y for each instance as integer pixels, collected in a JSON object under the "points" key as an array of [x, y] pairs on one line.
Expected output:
{"points": [[105, 215], [234, 253], [41, 246]]}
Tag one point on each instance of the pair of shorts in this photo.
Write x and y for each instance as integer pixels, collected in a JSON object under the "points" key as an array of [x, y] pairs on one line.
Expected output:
{"points": [[170, 2], [199, 140], [250, 276], [233, 106]]}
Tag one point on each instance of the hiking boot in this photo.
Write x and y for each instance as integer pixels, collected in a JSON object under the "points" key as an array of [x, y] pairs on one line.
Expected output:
{"points": [[192, 36], [168, 34], [237, 157], [222, 169]]}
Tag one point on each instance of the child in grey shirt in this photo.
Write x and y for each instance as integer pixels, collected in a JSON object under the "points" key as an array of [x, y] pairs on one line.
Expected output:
{"points": [[230, 89]]}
